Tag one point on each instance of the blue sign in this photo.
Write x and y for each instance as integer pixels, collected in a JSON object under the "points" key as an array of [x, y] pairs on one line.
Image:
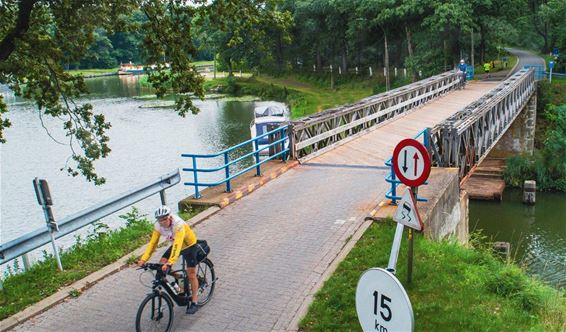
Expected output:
{"points": [[551, 64], [555, 51]]}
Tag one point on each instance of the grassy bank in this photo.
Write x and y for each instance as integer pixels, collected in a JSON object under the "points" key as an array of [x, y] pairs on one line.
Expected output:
{"points": [[93, 72], [453, 289], [100, 248], [304, 94], [548, 164]]}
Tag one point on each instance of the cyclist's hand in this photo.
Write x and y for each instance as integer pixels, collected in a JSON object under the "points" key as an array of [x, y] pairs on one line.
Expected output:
{"points": [[165, 267], [141, 263]]}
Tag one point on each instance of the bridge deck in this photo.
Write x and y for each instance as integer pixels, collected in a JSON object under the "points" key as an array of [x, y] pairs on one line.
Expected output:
{"points": [[376, 147], [273, 248]]}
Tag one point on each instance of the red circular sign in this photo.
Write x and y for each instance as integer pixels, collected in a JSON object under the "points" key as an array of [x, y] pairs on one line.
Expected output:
{"points": [[411, 162]]}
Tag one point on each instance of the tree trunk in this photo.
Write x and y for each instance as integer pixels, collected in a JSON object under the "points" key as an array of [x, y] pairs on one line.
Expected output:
{"points": [[8, 44], [410, 50], [344, 59], [482, 46], [318, 60], [386, 61]]}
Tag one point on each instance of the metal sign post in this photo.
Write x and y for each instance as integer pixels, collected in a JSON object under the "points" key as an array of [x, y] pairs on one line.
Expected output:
{"points": [[411, 163], [44, 199], [550, 65]]}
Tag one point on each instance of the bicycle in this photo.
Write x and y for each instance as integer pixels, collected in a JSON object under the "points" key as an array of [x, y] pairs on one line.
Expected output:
{"points": [[462, 79], [159, 303]]}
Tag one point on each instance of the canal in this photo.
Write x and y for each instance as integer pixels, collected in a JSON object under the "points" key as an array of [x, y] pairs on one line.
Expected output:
{"points": [[146, 138], [537, 233]]}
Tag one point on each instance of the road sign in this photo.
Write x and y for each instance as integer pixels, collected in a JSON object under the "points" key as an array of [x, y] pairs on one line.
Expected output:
{"points": [[551, 64], [382, 303], [411, 162], [407, 213]]}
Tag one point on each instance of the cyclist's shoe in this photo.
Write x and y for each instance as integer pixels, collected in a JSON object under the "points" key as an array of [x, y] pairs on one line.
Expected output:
{"points": [[192, 308]]}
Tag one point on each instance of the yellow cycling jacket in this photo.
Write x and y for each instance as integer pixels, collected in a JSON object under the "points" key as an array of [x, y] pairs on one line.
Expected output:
{"points": [[180, 234]]}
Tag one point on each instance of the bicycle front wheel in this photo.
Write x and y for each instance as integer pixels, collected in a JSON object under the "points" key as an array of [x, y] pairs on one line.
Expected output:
{"points": [[206, 281], [155, 313]]}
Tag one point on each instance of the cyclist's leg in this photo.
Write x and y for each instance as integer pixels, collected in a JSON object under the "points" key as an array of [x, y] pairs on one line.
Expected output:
{"points": [[191, 259]]}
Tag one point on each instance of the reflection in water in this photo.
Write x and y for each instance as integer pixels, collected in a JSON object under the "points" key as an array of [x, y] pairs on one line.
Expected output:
{"points": [[146, 143], [537, 233]]}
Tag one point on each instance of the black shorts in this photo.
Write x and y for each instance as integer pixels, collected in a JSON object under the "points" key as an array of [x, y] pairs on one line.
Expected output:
{"points": [[189, 254]]}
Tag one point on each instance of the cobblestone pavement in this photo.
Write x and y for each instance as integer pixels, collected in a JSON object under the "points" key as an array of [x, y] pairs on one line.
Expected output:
{"points": [[269, 250]]}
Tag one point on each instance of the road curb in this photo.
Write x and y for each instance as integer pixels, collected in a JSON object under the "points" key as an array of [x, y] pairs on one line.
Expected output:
{"points": [[88, 281]]}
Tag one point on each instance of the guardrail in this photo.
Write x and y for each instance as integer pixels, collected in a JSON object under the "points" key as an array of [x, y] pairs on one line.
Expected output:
{"points": [[33, 240], [320, 132], [391, 178], [539, 71], [279, 137]]}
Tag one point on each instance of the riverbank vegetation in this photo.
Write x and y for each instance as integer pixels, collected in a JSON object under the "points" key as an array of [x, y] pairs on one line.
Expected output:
{"points": [[454, 288], [548, 164], [89, 254]]}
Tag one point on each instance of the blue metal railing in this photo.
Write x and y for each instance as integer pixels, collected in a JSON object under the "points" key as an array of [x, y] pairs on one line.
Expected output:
{"points": [[539, 71], [469, 72], [391, 178], [283, 138]]}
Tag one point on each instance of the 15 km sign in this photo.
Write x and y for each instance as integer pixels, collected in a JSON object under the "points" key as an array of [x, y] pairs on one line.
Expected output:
{"points": [[382, 303], [411, 162]]}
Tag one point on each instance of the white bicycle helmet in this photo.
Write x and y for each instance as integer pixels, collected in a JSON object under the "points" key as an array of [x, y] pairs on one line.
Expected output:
{"points": [[462, 61], [162, 211]]}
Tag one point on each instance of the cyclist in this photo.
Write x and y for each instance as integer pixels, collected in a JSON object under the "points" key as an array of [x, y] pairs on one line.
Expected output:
{"points": [[183, 241], [462, 71]]}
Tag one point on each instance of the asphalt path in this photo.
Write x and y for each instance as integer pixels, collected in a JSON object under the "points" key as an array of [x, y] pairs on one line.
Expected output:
{"points": [[525, 58]]}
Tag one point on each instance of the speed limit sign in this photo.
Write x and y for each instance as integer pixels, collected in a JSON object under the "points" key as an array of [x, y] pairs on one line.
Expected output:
{"points": [[382, 303]]}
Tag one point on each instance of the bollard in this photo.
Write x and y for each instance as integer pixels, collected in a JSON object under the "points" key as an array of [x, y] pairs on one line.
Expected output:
{"points": [[529, 192], [395, 71], [370, 72], [503, 249]]}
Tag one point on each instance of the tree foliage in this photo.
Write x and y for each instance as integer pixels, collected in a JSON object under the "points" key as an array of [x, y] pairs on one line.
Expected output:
{"points": [[39, 38]]}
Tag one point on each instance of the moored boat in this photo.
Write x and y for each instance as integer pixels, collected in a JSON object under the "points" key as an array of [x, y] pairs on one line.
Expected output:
{"points": [[268, 118]]}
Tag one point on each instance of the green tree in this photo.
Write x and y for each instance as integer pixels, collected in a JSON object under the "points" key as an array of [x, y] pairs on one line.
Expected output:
{"points": [[38, 37]]}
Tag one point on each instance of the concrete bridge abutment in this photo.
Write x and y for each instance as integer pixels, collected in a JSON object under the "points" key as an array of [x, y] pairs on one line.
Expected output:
{"points": [[520, 137]]}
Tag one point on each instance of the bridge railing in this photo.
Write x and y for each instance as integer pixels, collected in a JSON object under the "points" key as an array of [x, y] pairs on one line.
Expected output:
{"points": [[317, 133], [465, 138], [33, 240], [281, 136], [391, 194]]}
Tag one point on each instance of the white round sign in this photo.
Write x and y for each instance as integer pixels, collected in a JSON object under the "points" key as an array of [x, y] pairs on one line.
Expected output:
{"points": [[382, 303]]}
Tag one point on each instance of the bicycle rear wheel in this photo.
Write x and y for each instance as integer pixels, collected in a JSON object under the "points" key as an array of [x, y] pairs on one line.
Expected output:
{"points": [[206, 281], [155, 313]]}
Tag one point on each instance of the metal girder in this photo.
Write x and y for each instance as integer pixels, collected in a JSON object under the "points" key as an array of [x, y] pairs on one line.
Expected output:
{"points": [[465, 138], [322, 131]]}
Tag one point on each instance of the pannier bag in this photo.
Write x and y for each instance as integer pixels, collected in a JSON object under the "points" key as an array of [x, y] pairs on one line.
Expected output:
{"points": [[202, 250]]}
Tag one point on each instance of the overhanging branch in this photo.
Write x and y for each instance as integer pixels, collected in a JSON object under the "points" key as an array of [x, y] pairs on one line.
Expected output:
{"points": [[8, 44]]}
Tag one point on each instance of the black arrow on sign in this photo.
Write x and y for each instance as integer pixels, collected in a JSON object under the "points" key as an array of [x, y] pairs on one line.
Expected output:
{"points": [[405, 163]]}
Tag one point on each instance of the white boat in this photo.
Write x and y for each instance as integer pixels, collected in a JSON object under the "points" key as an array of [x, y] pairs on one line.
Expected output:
{"points": [[267, 118]]}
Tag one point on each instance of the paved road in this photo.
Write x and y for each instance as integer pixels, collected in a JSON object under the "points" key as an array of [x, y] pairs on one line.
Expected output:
{"points": [[267, 256], [525, 58]]}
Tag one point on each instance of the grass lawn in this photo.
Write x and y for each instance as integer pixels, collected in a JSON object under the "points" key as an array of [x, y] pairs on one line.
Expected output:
{"points": [[304, 97], [87, 72], [453, 289]]}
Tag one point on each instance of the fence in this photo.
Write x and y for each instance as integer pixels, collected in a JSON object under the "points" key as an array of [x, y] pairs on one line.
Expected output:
{"points": [[277, 137], [33, 240]]}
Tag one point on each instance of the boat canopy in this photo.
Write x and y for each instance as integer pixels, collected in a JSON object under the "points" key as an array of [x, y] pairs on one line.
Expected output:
{"points": [[272, 110]]}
